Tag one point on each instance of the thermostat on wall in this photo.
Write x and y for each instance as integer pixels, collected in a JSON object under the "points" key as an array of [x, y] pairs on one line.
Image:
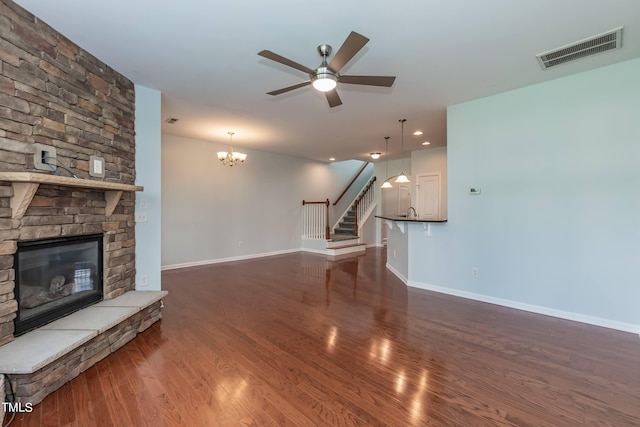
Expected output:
{"points": [[475, 191]]}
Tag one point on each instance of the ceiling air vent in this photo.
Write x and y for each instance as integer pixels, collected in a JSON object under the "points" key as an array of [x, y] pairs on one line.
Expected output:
{"points": [[171, 120], [581, 49]]}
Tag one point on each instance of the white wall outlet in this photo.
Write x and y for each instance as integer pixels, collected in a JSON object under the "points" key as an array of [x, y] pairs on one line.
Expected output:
{"points": [[45, 157], [141, 216], [96, 166], [240, 243], [475, 272], [143, 280]]}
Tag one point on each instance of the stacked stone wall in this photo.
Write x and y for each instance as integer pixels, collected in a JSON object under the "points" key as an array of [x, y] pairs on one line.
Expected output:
{"points": [[53, 92]]}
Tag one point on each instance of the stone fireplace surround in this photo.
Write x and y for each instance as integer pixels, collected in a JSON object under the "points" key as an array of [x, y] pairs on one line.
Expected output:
{"points": [[54, 93]]}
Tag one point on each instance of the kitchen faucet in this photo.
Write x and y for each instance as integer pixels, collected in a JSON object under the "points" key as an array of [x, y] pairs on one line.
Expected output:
{"points": [[408, 215]]}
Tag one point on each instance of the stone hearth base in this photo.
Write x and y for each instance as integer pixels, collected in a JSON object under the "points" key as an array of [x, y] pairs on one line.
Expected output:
{"points": [[41, 361]]}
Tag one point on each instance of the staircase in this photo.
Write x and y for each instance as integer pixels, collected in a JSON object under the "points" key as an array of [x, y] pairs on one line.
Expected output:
{"points": [[344, 237], [342, 244], [347, 226]]}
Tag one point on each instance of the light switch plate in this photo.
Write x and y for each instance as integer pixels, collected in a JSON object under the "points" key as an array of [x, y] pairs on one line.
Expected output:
{"points": [[96, 166]]}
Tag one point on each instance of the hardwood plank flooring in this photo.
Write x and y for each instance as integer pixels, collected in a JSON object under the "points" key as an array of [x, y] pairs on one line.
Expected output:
{"points": [[297, 340]]}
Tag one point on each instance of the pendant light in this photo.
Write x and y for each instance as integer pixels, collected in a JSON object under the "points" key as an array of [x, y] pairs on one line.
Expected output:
{"points": [[402, 178], [386, 184]]}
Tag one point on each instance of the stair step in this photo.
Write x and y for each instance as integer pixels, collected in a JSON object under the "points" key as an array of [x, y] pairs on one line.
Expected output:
{"points": [[347, 231], [350, 249], [342, 237], [343, 244]]}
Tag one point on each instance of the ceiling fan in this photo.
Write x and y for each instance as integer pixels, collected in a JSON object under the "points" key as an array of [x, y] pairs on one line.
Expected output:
{"points": [[327, 75]]}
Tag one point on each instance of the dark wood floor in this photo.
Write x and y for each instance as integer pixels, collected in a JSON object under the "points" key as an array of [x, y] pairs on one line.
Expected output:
{"points": [[296, 340]]}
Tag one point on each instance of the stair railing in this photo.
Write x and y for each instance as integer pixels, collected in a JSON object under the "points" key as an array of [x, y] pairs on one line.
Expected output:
{"points": [[363, 203], [315, 220], [364, 166]]}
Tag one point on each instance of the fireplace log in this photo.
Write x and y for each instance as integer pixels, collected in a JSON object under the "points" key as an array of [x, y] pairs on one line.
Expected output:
{"points": [[34, 296]]}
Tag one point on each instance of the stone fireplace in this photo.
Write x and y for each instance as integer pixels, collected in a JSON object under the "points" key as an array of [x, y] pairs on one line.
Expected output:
{"points": [[56, 277], [54, 93]]}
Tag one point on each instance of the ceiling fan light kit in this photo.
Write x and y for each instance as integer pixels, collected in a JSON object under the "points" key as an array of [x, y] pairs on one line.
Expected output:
{"points": [[324, 81], [326, 77]]}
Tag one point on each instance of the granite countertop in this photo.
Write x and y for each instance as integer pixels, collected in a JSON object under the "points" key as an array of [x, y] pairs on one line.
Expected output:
{"points": [[405, 219]]}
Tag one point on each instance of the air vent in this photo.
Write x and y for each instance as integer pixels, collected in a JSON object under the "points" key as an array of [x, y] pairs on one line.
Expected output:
{"points": [[581, 49], [171, 120]]}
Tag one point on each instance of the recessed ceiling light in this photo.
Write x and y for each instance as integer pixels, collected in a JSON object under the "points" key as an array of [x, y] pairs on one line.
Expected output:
{"points": [[375, 156], [426, 143], [418, 133], [332, 159]]}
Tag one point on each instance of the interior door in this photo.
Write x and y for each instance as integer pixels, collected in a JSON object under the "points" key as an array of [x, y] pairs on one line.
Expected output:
{"points": [[428, 196], [404, 198]]}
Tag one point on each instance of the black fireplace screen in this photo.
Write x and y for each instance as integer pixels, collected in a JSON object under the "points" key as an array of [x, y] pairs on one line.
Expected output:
{"points": [[55, 277]]}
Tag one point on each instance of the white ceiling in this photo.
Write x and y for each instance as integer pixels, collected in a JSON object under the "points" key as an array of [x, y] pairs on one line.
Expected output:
{"points": [[202, 55]]}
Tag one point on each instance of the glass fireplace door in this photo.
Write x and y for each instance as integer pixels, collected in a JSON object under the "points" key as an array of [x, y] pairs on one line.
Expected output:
{"points": [[55, 277]]}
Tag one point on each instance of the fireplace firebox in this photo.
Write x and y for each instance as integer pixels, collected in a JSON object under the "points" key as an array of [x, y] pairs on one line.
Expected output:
{"points": [[55, 277]]}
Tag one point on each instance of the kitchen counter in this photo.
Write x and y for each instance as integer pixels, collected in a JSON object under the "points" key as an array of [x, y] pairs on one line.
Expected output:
{"points": [[401, 231]]}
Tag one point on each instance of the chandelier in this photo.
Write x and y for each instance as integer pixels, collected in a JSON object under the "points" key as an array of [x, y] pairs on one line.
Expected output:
{"points": [[231, 158]]}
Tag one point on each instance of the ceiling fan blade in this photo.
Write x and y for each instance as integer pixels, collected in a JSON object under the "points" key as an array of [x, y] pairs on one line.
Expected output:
{"points": [[385, 81], [287, 89], [348, 50], [333, 98], [281, 59]]}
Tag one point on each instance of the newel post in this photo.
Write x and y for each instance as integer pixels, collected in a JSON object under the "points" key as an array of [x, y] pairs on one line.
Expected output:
{"points": [[327, 231]]}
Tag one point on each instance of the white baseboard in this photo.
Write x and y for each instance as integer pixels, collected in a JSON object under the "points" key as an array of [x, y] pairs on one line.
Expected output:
{"points": [[397, 274], [242, 258], [229, 259], [313, 251], [567, 315], [346, 250]]}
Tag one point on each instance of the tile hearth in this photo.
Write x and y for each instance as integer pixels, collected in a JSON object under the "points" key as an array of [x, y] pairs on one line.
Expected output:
{"points": [[43, 360]]}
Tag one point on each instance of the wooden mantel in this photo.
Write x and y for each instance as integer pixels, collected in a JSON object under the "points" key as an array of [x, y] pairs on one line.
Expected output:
{"points": [[25, 185]]}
